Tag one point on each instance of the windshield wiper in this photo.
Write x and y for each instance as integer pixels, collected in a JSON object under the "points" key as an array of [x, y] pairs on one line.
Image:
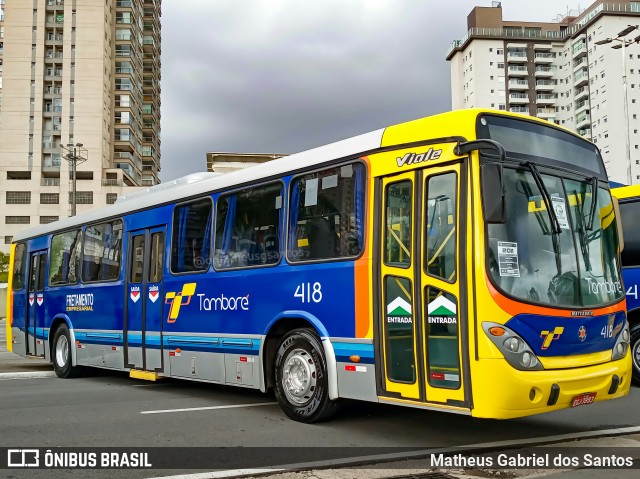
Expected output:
{"points": [[594, 198], [553, 218], [582, 231]]}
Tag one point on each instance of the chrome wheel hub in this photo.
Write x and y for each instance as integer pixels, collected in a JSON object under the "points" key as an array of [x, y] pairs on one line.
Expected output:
{"points": [[299, 378], [635, 354], [62, 351]]}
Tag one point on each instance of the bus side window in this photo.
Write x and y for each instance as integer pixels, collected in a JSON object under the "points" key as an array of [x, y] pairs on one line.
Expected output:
{"points": [[327, 214], [191, 240], [64, 257], [630, 212]]}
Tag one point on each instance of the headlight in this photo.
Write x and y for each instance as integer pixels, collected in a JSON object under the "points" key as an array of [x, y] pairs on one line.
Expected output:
{"points": [[622, 343], [515, 350]]}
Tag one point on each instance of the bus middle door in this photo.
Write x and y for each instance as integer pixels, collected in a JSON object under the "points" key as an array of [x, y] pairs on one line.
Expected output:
{"points": [[34, 327], [143, 325]]}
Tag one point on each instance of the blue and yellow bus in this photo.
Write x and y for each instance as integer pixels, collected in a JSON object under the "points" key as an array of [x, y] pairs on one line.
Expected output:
{"points": [[629, 198], [466, 262]]}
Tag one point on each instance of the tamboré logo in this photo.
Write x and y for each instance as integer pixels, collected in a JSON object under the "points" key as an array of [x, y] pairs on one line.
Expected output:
{"points": [[176, 300], [550, 336]]}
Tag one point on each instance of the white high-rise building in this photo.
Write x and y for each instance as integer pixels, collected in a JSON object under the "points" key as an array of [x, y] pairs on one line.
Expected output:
{"points": [[557, 72], [76, 72]]}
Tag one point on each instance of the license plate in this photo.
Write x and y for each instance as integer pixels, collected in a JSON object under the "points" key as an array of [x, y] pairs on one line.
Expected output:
{"points": [[582, 399]]}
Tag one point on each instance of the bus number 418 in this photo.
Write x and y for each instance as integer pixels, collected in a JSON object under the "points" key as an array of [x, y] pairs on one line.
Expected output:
{"points": [[308, 292]]}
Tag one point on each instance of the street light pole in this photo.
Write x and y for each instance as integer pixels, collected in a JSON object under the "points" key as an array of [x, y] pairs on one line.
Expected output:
{"points": [[622, 44], [75, 155]]}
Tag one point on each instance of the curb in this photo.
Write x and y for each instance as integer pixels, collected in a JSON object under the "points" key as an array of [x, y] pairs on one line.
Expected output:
{"points": [[28, 375]]}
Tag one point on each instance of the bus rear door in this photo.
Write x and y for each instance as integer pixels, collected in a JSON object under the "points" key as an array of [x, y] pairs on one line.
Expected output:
{"points": [[420, 325], [144, 290], [34, 327]]}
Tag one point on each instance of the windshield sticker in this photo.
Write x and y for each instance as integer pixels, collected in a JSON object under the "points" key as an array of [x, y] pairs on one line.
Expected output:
{"points": [[508, 259], [560, 207]]}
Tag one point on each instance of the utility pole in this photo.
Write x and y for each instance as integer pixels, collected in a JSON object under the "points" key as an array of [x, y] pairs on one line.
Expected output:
{"points": [[75, 155]]}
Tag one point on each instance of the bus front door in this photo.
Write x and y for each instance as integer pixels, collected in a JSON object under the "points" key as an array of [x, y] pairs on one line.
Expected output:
{"points": [[34, 326], [420, 292], [143, 323]]}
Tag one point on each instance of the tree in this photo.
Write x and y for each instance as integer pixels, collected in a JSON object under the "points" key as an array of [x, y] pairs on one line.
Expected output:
{"points": [[4, 267]]}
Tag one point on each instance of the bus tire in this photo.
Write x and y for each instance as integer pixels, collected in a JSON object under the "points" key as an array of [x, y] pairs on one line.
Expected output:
{"points": [[301, 381], [635, 352], [61, 354]]}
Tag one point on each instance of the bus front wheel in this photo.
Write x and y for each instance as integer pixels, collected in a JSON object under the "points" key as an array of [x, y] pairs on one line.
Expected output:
{"points": [[635, 352], [62, 362], [301, 383]]}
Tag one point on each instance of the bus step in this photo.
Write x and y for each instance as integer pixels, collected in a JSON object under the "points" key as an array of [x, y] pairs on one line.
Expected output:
{"points": [[146, 375]]}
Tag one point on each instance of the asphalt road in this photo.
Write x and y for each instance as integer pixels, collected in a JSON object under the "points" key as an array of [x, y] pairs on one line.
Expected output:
{"points": [[109, 409]]}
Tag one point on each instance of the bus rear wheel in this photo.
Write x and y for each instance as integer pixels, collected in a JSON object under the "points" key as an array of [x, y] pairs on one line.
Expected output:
{"points": [[62, 362], [635, 352], [301, 383]]}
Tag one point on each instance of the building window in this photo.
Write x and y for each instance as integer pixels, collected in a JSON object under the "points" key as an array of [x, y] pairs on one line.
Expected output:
{"points": [[82, 197], [18, 197], [17, 220], [8, 239], [49, 198], [18, 175], [499, 51], [111, 198], [44, 220], [501, 65]]}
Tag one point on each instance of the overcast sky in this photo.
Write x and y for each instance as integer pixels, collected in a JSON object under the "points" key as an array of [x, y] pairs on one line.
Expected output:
{"points": [[282, 76]]}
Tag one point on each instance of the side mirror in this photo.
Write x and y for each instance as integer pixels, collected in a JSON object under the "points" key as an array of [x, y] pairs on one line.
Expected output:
{"points": [[493, 204], [616, 209]]}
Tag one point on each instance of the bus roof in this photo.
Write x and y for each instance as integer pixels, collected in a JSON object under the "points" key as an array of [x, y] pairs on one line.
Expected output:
{"points": [[626, 191], [444, 125]]}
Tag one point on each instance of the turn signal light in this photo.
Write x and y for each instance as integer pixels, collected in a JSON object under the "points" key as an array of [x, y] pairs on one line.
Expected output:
{"points": [[497, 331], [354, 358]]}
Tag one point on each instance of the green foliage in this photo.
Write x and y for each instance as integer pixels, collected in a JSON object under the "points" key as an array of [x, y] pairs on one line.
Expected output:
{"points": [[4, 267]]}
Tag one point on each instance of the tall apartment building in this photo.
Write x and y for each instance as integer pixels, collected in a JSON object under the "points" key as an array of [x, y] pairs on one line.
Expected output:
{"points": [[557, 72], [76, 72]]}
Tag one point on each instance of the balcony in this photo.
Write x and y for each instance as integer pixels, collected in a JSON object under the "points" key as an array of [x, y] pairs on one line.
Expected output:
{"points": [[517, 56], [546, 113], [581, 105], [51, 165], [519, 109], [581, 78], [543, 58], [582, 62], [50, 181], [583, 120], [518, 85], [579, 49], [586, 132], [544, 72], [545, 85], [110, 182], [518, 98], [581, 93], [545, 99], [517, 71]]}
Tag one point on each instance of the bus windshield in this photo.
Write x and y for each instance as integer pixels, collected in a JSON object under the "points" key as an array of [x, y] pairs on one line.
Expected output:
{"points": [[566, 258]]}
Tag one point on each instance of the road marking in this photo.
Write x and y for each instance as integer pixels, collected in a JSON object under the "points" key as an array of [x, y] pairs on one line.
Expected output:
{"points": [[208, 408], [395, 456], [28, 375]]}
